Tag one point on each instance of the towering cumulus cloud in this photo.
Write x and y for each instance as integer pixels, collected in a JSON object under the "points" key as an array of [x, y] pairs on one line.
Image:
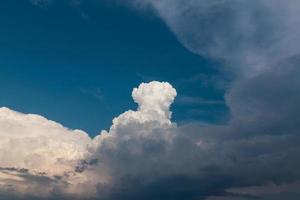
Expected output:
{"points": [[146, 156], [42, 158]]}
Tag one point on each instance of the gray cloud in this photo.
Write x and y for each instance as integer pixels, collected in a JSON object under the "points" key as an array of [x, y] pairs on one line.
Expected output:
{"points": [[189, 100], [259, 146], [269, 100], [146, 156], [248, 34], [259, 39]]}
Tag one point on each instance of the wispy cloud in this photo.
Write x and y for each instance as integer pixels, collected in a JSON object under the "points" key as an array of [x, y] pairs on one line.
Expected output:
{"points": [[248, 35], [190, 100], [219, 82], [41, 3], [94, 92], [74, 4], [97, 94]]}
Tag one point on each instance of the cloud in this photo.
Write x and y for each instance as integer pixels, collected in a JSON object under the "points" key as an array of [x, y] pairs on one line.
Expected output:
{"points": [[273, 189], [41, 3], [190, 100], [94, 92], [41, 157], [144, 155], [249, 35], [40, 143], [38, 155], [269, 100]]}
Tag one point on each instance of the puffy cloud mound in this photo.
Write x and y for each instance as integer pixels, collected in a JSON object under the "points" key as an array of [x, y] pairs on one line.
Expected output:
{"points": [[155, 97], [154, 100], [31, 141], [146, 156], [39, 156], [135, 135]]}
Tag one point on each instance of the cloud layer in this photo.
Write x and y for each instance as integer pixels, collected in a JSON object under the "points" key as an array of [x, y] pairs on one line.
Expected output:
{"points": [[146, 156]]}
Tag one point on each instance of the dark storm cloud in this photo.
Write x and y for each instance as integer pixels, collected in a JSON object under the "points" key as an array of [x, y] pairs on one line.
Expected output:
{"points": [[257, 147], [16, 178], [260, 145], [260, 40], [270, 100]]}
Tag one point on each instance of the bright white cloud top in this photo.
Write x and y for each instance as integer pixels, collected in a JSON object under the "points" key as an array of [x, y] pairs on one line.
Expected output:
{"points": [[39, 156], [33, 142]]}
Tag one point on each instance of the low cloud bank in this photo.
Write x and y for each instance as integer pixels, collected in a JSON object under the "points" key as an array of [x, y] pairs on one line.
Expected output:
{"points": [[146, 156]]}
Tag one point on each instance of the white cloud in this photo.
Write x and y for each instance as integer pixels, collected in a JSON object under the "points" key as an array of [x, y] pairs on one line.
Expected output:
{"points": [[141, 152], [31, 141], [34, 149], [38, 155]]}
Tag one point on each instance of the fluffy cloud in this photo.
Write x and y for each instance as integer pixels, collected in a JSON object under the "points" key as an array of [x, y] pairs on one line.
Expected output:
{"points": [[39, 156], [31, 141], [146, 156], [257, 148]]}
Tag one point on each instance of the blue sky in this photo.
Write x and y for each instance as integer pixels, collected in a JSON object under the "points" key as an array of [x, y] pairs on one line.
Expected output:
{"points": [[78, 65]]}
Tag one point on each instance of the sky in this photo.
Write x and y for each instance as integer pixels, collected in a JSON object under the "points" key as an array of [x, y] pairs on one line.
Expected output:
{"points": [[149, 99], [64, 66]]}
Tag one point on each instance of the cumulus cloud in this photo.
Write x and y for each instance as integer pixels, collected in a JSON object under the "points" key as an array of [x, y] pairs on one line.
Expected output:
{"points": [[39, 156], [258, 147], [144, 155], [39, 143]]}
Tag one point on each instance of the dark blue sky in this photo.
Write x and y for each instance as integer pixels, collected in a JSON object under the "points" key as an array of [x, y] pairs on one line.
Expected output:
{"points": [[78, 65]]}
